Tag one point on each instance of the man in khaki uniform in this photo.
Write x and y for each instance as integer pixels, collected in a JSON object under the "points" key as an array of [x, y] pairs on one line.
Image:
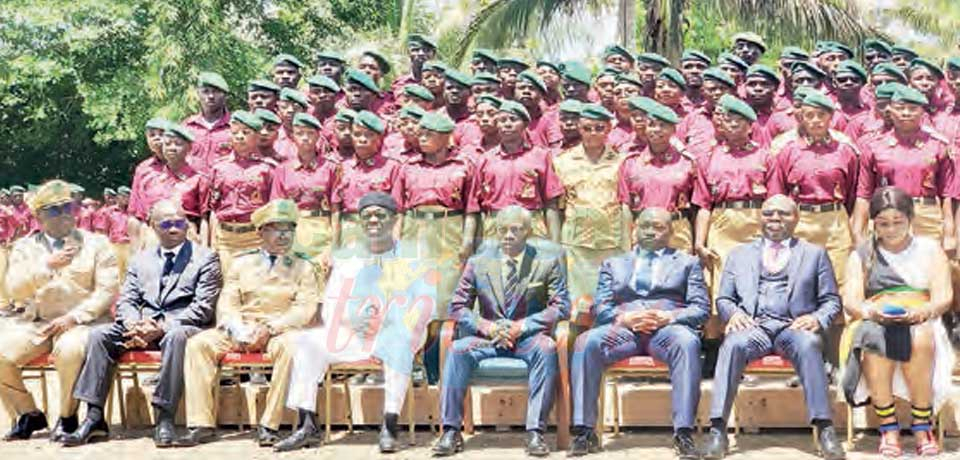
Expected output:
{"points": [[268, 294], [63, 279]]}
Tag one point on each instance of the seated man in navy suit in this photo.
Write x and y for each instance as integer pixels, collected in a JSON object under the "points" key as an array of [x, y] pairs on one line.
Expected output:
{"points": [[777, 294], [522, 294], [651, 301]]}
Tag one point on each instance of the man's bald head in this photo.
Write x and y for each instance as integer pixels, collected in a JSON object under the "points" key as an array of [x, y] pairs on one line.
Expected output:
{"points": [[780, 202], [779, 216], [654, 228]]}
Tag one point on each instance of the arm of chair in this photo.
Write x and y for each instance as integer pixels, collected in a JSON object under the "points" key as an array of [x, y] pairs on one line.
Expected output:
{"points": [[565, 336], [447, 330]]}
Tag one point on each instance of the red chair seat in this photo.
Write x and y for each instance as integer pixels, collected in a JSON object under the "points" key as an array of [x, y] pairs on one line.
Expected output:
{"points": [[369, 362], [240, 359], [140, 357], [43, 360], [638, 363], [770, 363]]}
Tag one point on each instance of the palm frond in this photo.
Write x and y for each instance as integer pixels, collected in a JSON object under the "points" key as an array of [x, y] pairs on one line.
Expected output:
{"points": [[943, 23]]}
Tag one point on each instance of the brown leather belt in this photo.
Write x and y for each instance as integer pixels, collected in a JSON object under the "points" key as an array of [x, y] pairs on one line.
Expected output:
{"points": [[434, 215], [743, 204], [314, 213], [237, 228], [926, 200], [826, 207]]}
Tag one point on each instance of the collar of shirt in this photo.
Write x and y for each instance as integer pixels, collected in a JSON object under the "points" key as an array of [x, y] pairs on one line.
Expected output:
{"points": [[50, 240], [656, 254], [518, 259], [175, 250], [787, 243]]}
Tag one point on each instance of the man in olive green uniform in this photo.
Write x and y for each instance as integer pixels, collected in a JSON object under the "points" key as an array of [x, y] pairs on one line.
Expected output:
{"points": [[62, 280], [268, 294]]}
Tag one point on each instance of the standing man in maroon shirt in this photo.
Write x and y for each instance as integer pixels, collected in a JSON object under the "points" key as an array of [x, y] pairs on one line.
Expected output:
{"points": [[210, 127], [543, 128], [421, 49], [287, 70]]}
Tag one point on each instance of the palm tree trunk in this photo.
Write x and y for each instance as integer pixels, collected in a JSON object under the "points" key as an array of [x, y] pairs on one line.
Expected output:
{"points": [[406, 16], [664, 28], [627, 23]]}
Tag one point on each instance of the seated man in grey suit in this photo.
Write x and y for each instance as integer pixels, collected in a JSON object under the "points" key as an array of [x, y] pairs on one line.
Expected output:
{"points": [[777, 295], [522, 294], [652, 301], [169, 294]]}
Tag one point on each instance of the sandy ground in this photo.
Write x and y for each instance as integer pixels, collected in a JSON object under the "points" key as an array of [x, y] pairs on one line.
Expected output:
{"points": [[489, 445]]}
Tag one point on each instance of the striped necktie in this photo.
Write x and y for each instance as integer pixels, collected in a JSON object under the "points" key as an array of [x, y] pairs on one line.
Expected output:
{"points": [[512, 283]]}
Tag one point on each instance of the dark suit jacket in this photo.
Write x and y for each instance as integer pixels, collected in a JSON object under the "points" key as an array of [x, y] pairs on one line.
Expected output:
{"points": [[679, 285], [543, 281], [812, 286], [188, 299]]}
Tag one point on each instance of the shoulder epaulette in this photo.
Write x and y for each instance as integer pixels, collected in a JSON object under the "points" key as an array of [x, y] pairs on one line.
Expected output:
{"points": [[782, 140]]}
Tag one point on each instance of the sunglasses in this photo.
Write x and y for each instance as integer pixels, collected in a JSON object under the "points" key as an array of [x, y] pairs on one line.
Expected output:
{"points": [[179, 224], [848, 80], [57, 211]]}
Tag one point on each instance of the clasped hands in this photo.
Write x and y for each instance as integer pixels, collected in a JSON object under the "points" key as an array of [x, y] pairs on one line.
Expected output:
{"points": [[141, 333], [504, 333], [645, 321]]}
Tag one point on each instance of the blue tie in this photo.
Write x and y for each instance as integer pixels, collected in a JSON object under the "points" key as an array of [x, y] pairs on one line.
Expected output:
{"points": [[644, 275]]}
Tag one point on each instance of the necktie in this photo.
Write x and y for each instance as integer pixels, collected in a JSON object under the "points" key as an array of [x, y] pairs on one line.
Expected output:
{"points": [[167, 268], [58, 244], [273, 260], [644, 277], [771, 259], [512, 282]]}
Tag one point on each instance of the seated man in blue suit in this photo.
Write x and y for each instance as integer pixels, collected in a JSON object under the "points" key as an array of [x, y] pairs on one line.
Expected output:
{"points": [[651, 301], [522, 294], [777, 295]]}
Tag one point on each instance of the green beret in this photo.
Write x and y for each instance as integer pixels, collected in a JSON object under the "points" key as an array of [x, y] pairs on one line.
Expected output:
{"points": [[800, 93], [878, 45], [714, 73], [246, 118], [953, 63], [515, 108], [331, 56], [852, 67], [903, 50], [123, 190], [886, 90], [653, 58], [794, 53], [577, 72], [362, 79], [345, 115], [18, 189], [510, 60], [324, 81], [661, 112], [673, 75], [305, 119], [888, 68], [435, 66], [618, 50], [179, 130], [289, 58], [419, 92], [909, 95], [571, 106], [421, 40], [213, 80], [729, 58], [760, 70], [751, 37], [629, 78], [485, 54], [696, 55], [6, 192], [77, 188], [490, 99], [483, 78], [833, 47], [458, 77], [263, 85], [921, 62], [267, 116], [106, 192], [381, 60], [534, 79], [819, 100], [292, 95], [370, 121], [610, 70], [157, 123], [811, 68], [732, 104], [595, 112], [640, 103], [411, 111], [437, 122], [552, 65]]}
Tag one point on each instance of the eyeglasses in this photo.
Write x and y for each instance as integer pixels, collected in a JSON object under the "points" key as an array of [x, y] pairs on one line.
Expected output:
{"points": [[179, 224], [778, 212], [57, 211]]}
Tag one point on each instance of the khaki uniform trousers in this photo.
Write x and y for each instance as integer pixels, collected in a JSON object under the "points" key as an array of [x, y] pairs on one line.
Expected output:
{"points": [[831, 230], [437, 241], [928, 221], [201, 363], [20, 344], [583, 271], [229, 244], [122, 250], [728, 229]]}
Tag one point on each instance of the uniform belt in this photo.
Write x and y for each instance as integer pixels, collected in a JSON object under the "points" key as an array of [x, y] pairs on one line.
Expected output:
{"points": [[925, 200], [314, 213], [434, 215], [237, 228], [350, 216], [826, 207], [741, 204]]}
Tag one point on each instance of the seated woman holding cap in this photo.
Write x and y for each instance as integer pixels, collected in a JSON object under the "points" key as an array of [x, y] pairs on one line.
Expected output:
{"points": [[898, 286]]}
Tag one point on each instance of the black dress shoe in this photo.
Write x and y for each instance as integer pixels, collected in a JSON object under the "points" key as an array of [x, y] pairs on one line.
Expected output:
{"points": [[197, 436], [26, 425], [267, 437], [580, 445], [64, 426], [536, 446], [388, 434], [685, 447], [303, 438], [450, 443], [830, 447], [164, 434], [716, 447], [88, 432]]}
